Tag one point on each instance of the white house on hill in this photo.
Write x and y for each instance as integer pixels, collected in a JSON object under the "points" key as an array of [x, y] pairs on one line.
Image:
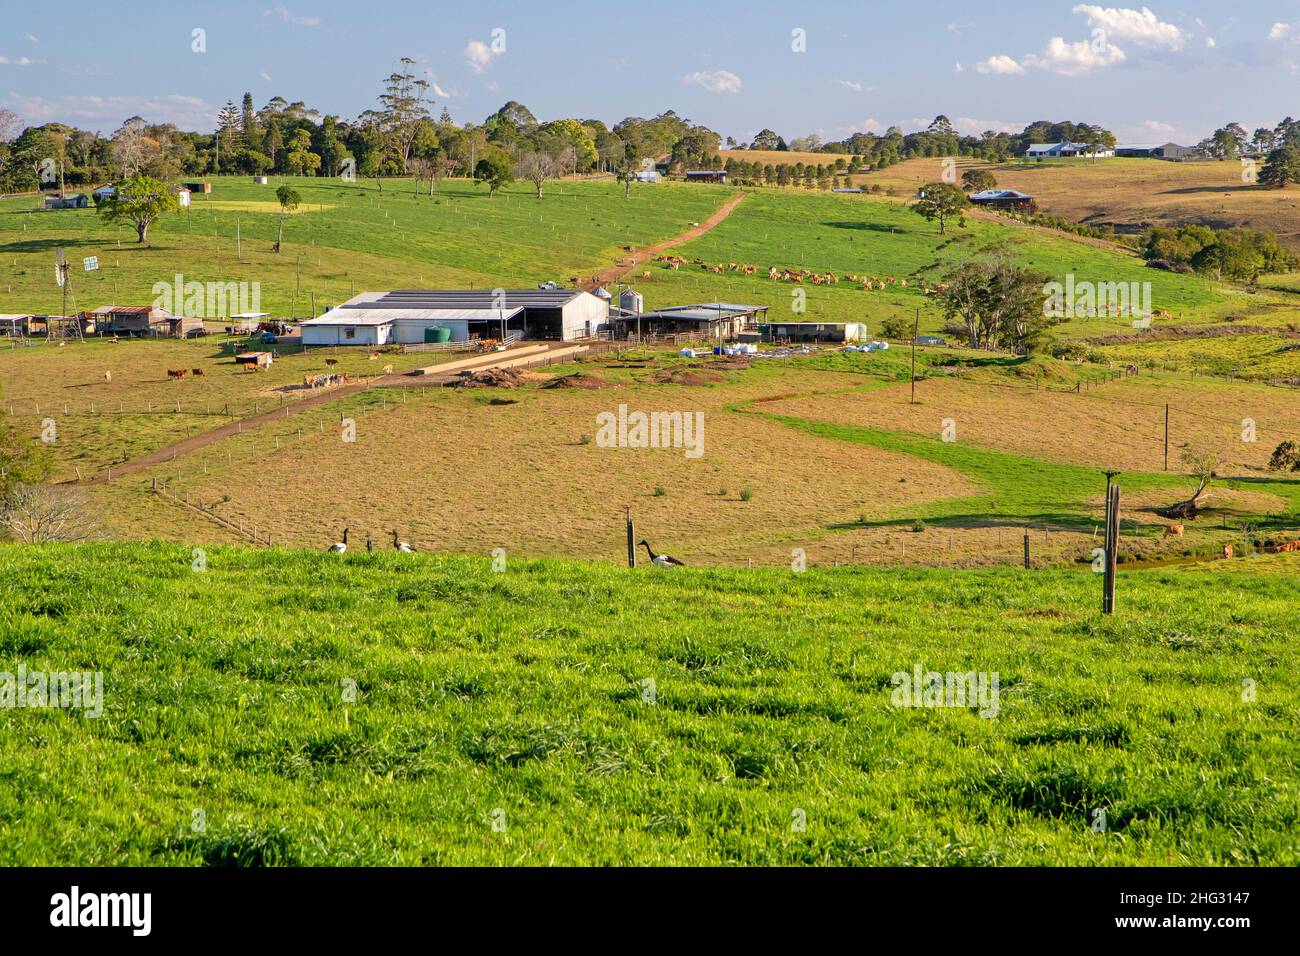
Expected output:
{"points": [[1064, 150]]}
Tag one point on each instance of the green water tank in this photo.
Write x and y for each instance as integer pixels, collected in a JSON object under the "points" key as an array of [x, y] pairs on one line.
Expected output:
{"points": [[437, 334]]}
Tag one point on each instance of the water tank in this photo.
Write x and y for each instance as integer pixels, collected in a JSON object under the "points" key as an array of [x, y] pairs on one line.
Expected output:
{"points": [[631, 301], [602, 293], [437, 334]]}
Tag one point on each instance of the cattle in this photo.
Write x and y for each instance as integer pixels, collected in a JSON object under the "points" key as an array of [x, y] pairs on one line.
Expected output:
{"points": [[108, 376], [331, 362], [176, 373], [196, 371], [1174, 530]]}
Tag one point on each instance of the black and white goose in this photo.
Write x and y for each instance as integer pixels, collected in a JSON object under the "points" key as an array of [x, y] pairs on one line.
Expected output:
{"points": [[401, 545], [338, 547], [660, 560]]}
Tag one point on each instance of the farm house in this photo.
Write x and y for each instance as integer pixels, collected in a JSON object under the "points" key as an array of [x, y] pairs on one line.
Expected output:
{"points": [[1065, 150], [416, 316], [1170, 151], [1010, 200], [76, 201], [845, 332], [16, 324]]}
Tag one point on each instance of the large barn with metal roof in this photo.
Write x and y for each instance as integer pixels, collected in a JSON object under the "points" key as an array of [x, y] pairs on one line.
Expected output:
{"points": [[413, 316]]}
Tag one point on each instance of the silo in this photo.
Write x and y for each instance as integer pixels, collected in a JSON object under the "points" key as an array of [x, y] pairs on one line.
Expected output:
{"points": [[631, 301]]}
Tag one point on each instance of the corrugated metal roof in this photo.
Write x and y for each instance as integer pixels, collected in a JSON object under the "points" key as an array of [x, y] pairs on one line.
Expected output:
{"points": [[360, 316], [464, 299]]}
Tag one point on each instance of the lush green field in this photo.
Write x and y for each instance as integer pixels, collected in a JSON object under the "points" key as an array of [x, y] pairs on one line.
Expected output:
{"points": [[348, 235], [523, 697]]}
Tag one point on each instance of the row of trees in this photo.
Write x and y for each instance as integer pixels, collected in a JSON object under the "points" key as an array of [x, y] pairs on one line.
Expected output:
{"points": [[1240, 254], [877, 151]]}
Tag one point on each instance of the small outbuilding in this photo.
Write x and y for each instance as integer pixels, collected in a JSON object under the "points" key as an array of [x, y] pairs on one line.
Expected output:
{"points": [[1007, 200], [706, 176], [841, 332], [75, 201]]}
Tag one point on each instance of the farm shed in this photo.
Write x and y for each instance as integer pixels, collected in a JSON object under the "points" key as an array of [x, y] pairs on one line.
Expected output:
{"points": [[1009, 200], [184, 327], [198, 187], [713, 320], [929, 340], [76, 201], [706, 176], [104, 192], [409, 316], [647, 176], [131, 320], [846, 332], [15, 324], [1171, 151]]}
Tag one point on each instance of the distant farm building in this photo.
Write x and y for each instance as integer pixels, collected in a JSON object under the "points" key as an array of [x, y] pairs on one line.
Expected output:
{"points": [[706, 176], [714, 320], [16, 324], [844, 332], [455, 315], [198, 187], [142, 320], [1170, 151], [104, 192], [1008, 200], [1064, 150], [76, 201], [647, 176], [929, 340]]}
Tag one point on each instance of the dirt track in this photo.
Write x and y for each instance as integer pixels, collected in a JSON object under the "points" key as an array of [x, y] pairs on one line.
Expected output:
{"points": [[637, 256]]}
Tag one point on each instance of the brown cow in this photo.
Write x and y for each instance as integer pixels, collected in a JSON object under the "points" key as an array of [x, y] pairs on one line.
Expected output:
{"points": [[196, 371], [331, 362], [176, 373]]}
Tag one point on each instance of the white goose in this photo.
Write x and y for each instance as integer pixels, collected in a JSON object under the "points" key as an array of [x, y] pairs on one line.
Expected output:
{"points": [[338, 547], [660, 560], [402, 545]]}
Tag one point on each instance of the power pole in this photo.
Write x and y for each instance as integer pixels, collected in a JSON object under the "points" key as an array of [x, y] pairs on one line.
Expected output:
{"points": [[1166, 436], [916, 325]]}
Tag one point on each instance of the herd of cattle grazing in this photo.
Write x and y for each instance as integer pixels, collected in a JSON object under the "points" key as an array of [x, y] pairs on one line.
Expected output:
{"points": [[779, 274]]}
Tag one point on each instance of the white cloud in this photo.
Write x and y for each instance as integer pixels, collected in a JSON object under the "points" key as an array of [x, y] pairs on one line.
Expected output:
{"points": [[478, 55], [491, 86], [1074, 59], [1142, 27], [439, 91], [284, 14], [32, 38], [1211, 43], [265, 76], [1003, 65], [187, 112], [849, 84], [20, 61], [969, 126], [959, 68], [715, 81], [1284, 33], [1155, 126]]}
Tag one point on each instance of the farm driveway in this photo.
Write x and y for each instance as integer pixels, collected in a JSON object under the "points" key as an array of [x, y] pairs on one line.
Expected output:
{"points": [[637, 256]]}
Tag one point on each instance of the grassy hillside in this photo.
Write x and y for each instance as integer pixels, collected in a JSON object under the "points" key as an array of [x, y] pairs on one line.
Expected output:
{"points": [[348, 236], [523, 697]]}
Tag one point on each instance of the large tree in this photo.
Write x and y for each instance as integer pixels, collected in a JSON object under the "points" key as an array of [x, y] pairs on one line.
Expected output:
{"points": [[537, 167], [405, 103], [289, 201], [941, 201], [1281, 168], [139, 200]]}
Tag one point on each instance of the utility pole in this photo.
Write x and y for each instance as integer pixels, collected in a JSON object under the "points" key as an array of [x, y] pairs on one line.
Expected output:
{"points": [[916, 325], [1166, 436], [1112, 545]]}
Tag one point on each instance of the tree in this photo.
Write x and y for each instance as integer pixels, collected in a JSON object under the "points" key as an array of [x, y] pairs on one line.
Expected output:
{"points": [[140, 200], [997, 302], [36, 514], [22, 461], [1281, 167], [766, 139], [405, 104], [301, 160], [248, 124], [132, 148], [289, 201], [1201, 464], [1286, 457], [10, 125], [940, 201], [977, 180], [230, 136], [494, 169], [537, 167]]}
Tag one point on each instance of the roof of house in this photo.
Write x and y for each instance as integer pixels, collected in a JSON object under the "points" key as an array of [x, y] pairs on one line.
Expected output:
{"points": [[13, 318], [354, 316], [989, 195], [716, 307], [705, 312], [125, 310]]}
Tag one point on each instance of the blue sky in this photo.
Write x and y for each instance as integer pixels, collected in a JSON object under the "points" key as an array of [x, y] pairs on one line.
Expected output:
{"points": [[1173, 71]]}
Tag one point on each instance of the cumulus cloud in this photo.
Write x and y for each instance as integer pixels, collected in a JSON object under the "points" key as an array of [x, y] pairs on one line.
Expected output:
{"points": [[32, 38], [19, 61], [1285, 33], [290, 18], [715, 81], [1003, 65], [849, 84], [1074, 59], [478, 55], [1141, 27], [1161, 129]]}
